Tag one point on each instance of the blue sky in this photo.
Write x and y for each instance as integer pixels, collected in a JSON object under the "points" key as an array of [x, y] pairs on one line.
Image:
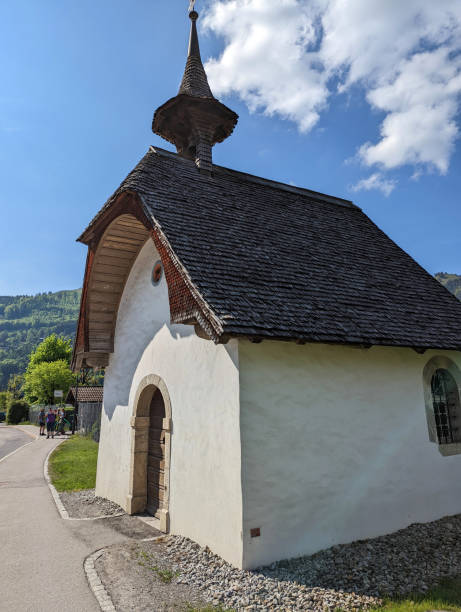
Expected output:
{"points": [[81, 82]]}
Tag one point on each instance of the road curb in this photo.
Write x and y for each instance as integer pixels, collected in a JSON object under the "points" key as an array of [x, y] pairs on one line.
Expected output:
{"points": [[57, 499], [98, 589]]}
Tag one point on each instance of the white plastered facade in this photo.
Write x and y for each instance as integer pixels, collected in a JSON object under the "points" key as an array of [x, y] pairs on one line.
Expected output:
{"points": [[335, 447], [315, 445], [202, 380]]}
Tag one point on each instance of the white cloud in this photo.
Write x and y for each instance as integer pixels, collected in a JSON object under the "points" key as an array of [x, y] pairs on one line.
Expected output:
{"points": [[268, 58], [421, 105], [375, 181], [369, 38], [280, 55]]}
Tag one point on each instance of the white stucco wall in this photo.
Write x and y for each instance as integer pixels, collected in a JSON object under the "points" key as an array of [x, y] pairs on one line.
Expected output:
{"points": [[203, 384], [327, 444], [335, 447]]}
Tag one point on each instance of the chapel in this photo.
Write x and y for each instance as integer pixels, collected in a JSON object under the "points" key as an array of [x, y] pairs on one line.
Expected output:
{"points": [[280, 376]]}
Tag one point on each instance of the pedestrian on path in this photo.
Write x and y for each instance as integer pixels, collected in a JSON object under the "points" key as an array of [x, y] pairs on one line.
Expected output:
{"points": [[61, 421], [41, 421], [50, 422]]}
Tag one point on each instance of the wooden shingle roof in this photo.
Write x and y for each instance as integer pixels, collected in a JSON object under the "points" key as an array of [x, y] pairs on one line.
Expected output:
{"points": [[86, 395], [278, 262]]}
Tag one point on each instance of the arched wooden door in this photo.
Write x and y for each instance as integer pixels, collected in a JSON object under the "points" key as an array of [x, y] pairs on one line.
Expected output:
{"points": [[156, 455]]}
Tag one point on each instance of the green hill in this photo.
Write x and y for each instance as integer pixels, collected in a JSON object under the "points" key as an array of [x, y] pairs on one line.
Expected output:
{"points": [[451, 281], [25, 319]]}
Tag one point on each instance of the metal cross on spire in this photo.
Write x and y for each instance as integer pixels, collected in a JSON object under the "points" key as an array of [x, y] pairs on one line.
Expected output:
{"points": [[191, 5]]}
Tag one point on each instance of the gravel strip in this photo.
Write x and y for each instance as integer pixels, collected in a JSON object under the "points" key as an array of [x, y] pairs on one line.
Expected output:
{"points": [[138, 579], [350, 576], [85, 504]]}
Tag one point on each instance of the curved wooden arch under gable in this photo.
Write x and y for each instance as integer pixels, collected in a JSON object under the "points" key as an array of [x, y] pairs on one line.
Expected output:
{"points": [[113, 246], [113, 260], [114, 241]]}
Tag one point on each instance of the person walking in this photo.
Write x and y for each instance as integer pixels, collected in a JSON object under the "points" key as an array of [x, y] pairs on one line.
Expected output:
{"points": [[41, 421], [50, 422], [61, 421]]}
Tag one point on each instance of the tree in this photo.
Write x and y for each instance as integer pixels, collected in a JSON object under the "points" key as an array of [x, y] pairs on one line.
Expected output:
{"points": [[35, 317], [51, 349], [15, 385], [4, 398], [90, 377], [44, 378], [7, 368]]}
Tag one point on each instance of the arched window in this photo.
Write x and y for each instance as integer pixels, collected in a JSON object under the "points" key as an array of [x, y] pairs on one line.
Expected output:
{"points": [[446, 406]]}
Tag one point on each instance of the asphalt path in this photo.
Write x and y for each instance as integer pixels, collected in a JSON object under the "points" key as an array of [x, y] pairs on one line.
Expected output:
{"points": [[11, 439], [42, 555]]}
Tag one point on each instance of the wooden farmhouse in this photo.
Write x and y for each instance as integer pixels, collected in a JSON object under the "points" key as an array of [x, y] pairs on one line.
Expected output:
{"points": [[280, 375]]}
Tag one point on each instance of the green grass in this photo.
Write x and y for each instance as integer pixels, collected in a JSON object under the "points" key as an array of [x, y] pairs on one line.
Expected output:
{"points": [[445, 596], [72, 466]]}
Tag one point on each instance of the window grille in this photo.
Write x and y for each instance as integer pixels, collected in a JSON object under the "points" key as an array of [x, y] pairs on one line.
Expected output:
{"points": [[446, 404]]}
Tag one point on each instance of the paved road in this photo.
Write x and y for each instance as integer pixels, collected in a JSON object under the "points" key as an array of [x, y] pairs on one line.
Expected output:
{"points": [[11, 439], [42, 555]]}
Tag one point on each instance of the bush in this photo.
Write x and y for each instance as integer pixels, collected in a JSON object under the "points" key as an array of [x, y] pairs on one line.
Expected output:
{"points": [[17, 411]]}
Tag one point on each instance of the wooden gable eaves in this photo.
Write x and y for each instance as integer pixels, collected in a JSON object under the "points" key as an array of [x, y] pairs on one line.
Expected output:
{"points": [[114, 242]]}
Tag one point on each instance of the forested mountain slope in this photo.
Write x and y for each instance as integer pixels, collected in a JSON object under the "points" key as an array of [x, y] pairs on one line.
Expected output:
{"points": [[25, 319], [451, 281]]}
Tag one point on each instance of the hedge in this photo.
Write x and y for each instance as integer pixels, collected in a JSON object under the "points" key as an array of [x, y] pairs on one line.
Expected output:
{"points": [[17, 411]]}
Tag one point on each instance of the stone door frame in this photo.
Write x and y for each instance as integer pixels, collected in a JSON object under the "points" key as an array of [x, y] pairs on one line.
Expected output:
{"points": [[137, 495]]}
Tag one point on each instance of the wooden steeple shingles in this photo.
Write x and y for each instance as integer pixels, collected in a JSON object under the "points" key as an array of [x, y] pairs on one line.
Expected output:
{"points": [[194, 121], [194, 81]]}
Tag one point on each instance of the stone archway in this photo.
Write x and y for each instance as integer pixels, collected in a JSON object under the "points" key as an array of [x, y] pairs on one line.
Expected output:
{"points": [[140, 421]]}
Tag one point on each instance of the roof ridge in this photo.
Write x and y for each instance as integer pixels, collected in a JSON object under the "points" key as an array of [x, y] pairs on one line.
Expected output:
{"points": [[253, 178]]}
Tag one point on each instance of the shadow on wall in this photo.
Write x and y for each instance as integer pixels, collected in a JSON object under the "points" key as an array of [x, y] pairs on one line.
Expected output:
{"points": [[125, 360]]}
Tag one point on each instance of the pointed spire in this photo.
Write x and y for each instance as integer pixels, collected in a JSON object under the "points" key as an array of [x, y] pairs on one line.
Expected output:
{"points": [[194, 81], [194, 121]]}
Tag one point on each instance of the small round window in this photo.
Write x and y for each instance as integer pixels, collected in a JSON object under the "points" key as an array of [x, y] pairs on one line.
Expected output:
{"points": [[157, 273]]}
